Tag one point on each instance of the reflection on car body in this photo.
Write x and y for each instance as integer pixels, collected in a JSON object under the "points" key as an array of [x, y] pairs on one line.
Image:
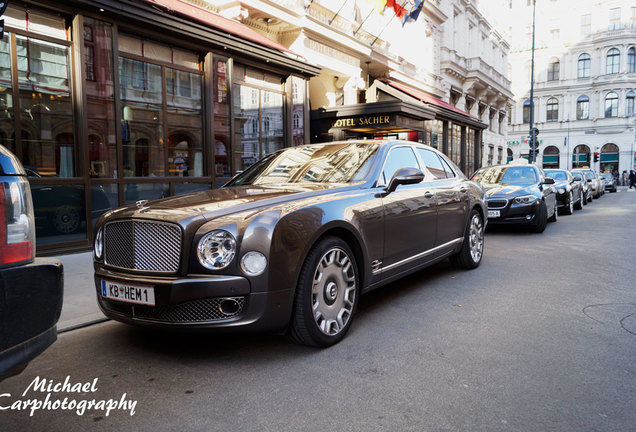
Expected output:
{"points": [[291, 243]]}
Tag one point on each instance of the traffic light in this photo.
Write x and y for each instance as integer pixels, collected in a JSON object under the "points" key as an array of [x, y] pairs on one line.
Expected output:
{"points": [[595, 156]]}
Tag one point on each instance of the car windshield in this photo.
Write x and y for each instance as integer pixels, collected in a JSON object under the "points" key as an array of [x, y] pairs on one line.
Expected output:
{"points": [[332, 163], [607, 176], [506, 175], [557, 175], [577, 176], [589, 175]]}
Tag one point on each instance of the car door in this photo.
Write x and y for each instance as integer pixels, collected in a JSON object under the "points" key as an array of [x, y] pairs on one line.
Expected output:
{"points": [[452, 198], [410, 215], [549, 192]]}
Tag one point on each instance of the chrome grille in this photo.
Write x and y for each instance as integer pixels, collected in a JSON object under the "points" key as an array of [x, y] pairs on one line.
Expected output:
{"points": [[497, 204], [142, 245], [190, 312]]}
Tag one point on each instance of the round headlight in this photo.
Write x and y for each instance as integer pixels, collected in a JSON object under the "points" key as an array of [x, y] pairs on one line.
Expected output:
{"points": [[216, 249], [253, 263], [561, 191], [98, 248]]}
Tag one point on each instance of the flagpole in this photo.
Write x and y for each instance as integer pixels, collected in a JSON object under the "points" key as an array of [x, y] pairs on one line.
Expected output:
{"points": [[338, 13], [387, 24]]}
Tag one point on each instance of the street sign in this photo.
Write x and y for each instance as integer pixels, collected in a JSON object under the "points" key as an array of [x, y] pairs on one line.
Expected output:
{"points": [[3, 6], [535, 131]]}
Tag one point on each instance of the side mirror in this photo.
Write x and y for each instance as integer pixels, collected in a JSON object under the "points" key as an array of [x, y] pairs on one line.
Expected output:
{"points": [[405, 176], [548, 180]]}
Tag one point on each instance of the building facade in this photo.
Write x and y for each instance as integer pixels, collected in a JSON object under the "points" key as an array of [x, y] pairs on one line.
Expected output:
{"points": [[439, 79], [114, 101], [585, 84]]}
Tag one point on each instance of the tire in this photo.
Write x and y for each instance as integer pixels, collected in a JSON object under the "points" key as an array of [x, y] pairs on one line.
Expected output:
{"points": [[541, 220], [579, 205], [569, 209], [66, 219], [555, 215], [472, 251], [326, 295]]}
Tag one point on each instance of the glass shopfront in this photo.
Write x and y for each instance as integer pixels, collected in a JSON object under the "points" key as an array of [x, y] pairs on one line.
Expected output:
{"points": [[140, 128]]}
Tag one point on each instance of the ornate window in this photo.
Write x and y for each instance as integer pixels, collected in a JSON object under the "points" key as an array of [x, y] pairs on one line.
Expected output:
{"points": [[629, 103], [582, 107], [552, 110], [553, 70], [631, 60], [613, 61], [611, 105], [584, 66], [526, 111]]}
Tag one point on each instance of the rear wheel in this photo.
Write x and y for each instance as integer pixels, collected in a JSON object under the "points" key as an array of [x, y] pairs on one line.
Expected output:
{"points": [[472, 249], [326, 295]]}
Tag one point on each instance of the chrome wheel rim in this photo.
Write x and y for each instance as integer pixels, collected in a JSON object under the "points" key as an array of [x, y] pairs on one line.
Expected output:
{"points": [[334, 292], [476, 238]]}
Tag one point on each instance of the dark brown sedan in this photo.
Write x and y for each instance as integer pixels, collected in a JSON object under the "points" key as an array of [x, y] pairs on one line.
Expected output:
{"points": [[291, 243]]}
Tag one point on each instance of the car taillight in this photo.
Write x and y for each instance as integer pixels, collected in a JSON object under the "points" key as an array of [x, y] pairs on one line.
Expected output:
{"points": [[17, 226]]}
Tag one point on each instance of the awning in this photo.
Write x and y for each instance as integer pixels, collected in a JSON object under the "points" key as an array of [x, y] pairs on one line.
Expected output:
{"points": [[420, 95], [204, 16]]}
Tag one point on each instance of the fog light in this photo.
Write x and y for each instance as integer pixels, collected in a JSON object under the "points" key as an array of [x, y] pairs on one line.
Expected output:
{"points": [[528, 217], [253, 263]]}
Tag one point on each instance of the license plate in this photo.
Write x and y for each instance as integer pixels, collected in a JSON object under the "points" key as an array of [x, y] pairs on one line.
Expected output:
{"points": [[137, 294], [494, 213]]}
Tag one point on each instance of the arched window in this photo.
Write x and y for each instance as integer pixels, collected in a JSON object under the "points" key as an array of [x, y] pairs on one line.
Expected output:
{"points": [[613, 61], [584, 66], [552, 110], [582, 107], [629, 103], [609, 157], [526, 111], [551, 157], [553, 70], [509, 152], [581, 156], [611, 105], [631, 60]]}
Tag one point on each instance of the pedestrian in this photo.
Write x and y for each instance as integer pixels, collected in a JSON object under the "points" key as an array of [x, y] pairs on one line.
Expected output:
{"points": [[624, 179], [632, 178]]}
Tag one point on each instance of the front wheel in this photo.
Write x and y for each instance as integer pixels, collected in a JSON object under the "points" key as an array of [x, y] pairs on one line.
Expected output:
{"points": [[326, 295], [472, 249], [541, 219], [579, 205], [569, 209]]}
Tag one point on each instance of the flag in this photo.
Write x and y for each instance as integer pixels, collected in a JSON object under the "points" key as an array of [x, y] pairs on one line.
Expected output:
{"points": [[399, 10], [414, 13], [378, 5]]}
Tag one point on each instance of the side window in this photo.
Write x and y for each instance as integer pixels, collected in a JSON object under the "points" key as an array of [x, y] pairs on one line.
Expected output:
{"points": [[399, 157], [433, 163], [449, 171]]}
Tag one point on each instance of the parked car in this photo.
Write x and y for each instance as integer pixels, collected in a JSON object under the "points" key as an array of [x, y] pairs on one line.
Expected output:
{"points": [[594, 181], [518, 194], [610, 183], [290, 243], [569, 191], [585, 185], [30, 288]]}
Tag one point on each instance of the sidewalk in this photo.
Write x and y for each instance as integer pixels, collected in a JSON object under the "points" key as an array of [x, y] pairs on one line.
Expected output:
{"points": [[80, 302]]}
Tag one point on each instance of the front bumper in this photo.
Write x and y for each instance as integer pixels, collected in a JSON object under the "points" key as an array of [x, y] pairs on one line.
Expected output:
{"points": [[515, 214], [30, 305], [197, 302]]}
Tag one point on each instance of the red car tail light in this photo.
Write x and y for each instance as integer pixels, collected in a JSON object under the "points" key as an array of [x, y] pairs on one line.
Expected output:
{"points": [[17, 225]]}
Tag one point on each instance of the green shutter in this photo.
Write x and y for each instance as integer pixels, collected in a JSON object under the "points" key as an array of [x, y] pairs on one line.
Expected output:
{"points": [[550, 158], [609, 157]]}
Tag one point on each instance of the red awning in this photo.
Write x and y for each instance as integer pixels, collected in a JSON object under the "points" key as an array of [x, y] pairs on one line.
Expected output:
{"points": [[420, 95], [204, 16]]}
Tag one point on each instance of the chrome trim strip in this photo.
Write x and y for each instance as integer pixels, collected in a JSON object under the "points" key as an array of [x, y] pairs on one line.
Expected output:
{"points": [[419, 255]]}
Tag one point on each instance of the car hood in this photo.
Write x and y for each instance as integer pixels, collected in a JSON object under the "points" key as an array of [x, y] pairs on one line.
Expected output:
{"points": [[502, 190], [214, 203]]}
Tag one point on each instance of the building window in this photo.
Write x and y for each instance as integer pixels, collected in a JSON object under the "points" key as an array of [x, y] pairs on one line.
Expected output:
{"points": [[613, 61], [526, 111], [629, 103], [581, 156], [552, 110], [631, 60], [89, 52], [551, 157], [582, 107], [586, 25], [614, 19], [584, 66], [611, 105], [555, 34], [553, 70]]}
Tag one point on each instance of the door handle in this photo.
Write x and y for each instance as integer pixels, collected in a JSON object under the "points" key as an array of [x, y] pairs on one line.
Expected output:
{"points": [[428, 195]]}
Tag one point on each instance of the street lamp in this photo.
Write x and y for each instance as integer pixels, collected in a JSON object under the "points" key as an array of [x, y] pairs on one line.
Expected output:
{"points": [[568, 159], [533, 136]]}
